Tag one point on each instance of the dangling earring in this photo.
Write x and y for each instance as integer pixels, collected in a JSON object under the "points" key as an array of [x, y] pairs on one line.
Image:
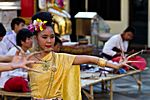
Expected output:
{"points": [[35, 45], [38, 48]]}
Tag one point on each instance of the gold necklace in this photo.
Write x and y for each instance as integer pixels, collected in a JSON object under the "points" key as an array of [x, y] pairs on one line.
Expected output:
{"points": [[48, 64]]}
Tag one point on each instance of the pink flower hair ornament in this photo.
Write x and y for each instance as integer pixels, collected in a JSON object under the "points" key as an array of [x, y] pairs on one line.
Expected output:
{"points": [[37, 25]]}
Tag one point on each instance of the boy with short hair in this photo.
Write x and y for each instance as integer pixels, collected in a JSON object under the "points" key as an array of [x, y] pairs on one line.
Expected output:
{"points": [[16, 25]]}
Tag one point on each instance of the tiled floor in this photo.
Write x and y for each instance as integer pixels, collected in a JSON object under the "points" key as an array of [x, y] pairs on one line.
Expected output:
{"points": [[126, 88]]}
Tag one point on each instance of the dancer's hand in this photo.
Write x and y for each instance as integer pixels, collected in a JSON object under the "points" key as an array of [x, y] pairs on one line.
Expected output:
{"points": [[21, 61]]}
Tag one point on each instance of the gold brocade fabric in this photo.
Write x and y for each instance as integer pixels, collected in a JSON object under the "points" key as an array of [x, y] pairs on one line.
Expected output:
{"points": [[71, 88], [40, 83]]}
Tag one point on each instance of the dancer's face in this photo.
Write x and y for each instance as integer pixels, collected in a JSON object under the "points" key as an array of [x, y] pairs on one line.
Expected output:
{"points": [[46, 39]]}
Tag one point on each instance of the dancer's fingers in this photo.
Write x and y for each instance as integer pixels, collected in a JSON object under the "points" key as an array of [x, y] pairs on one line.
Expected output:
{"points": [[135, 61], [130, 66], [31, 69], [35, 62]]}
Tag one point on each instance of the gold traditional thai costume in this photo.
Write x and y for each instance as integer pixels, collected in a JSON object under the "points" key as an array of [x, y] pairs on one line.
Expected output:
{"points": [[71, 89], [49, 83]]}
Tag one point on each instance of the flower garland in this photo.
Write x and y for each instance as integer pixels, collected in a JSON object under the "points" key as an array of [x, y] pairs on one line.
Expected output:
{"points": [[37, 25]]}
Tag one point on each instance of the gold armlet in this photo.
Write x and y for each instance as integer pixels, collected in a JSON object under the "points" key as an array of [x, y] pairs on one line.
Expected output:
{"points": [[101, 62]]}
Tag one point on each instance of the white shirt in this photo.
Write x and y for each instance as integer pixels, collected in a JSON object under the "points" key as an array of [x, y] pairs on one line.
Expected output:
{"points": [[9, 36], [17, 72], [13, 50], [3, 48], [115, 41]]}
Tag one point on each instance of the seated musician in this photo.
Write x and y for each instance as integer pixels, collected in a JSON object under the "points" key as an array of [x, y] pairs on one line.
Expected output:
{"points": [[17, 80], [118, 43]]}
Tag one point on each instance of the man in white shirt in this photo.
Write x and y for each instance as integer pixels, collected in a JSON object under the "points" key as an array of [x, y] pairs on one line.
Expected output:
{"points": [[118, 43], [16, 80], [16, 25]]}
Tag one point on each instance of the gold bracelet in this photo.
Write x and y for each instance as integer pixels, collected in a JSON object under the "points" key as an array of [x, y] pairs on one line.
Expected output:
{"points": [[101, 62]]}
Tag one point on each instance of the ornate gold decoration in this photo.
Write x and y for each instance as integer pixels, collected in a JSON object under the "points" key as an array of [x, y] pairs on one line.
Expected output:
{"points": [[48, 64]]}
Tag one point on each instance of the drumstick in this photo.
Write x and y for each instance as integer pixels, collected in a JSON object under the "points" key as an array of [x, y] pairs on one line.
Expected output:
{"points": [[14, 45]]}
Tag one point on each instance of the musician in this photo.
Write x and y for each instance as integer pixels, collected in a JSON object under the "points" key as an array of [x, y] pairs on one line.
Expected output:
{"points": [[118, 43]]}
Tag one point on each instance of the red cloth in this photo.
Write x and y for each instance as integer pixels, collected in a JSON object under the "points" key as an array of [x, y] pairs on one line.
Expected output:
{"points": [[138, 65], [27, 8], [16, 84]]}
